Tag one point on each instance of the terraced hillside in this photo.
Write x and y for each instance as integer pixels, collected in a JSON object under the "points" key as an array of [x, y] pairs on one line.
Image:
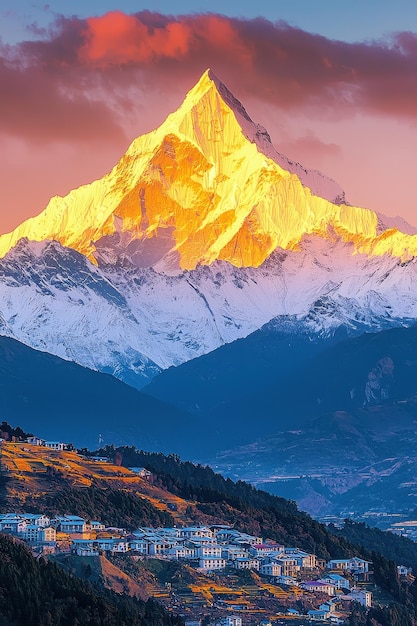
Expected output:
{"points": [[31, 473]]}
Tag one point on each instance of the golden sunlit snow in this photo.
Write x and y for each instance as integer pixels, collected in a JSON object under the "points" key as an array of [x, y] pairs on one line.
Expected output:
{"points": [[198, 189]]}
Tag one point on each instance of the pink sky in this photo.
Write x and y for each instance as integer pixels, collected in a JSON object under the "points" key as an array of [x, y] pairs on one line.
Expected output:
{"points": [[74, 96]]}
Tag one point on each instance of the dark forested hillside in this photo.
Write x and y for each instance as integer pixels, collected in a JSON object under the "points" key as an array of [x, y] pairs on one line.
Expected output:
{"points": [[256, 511], [393, 547], [114, 507], [240, 504], [37, 592]]}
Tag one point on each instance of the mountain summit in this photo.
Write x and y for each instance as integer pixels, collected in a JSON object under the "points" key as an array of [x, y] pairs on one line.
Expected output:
{"points": [[206, 185]]}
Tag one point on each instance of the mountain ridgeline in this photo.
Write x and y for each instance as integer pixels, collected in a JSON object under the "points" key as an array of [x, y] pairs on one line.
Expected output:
{"points": [[261, 375], [57, 398]]}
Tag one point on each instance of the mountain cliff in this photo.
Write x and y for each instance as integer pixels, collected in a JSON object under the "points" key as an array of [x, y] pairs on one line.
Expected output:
{"points": [[200, 235], [206, 185]]}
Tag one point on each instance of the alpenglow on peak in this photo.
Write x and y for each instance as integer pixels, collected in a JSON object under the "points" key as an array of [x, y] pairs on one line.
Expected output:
{"points": [[206, 185]]}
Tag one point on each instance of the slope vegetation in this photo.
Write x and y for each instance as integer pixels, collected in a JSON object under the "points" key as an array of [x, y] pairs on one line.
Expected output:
{"points": [[35, 591]]}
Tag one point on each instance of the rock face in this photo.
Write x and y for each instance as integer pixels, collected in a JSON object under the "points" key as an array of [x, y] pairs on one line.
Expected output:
{"points": [[200, 235], [207, 185], [380, 379]]}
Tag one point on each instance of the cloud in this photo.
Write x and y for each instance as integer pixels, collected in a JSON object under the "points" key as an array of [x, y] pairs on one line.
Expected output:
{"points": [[315, 151], [40, 106], [117, 38], [82, 79]]}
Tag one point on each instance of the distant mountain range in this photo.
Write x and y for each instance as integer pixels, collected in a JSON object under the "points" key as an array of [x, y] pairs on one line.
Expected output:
{"points": [[339, 433], [343, 418]]}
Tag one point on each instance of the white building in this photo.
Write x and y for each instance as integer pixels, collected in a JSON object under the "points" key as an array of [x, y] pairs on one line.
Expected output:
{"points": [[30, 533], [362, 596], [354, 565], [105, 544], [224, 534], [305, 560], [246, 563], [289, 566], [36, 441], [37, 519], [234, 552], [39, 534], [340, 582], [318, 615], [210, 549], [141, 471], [182, 552], [266, 549], [158, 546], [139, 545], [84, 547], [270, 569], [71, 524], [113, 544], [199, 541], [193, 532], [12, 523], [230, 620], [289, 581], [120, 545], [54, 445], [94, 525], [243, 538], [211, 563], [318, 586]]}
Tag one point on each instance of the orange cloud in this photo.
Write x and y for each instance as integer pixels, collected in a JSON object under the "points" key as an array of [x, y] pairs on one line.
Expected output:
{"points": [[285, 65], [117, 38]]}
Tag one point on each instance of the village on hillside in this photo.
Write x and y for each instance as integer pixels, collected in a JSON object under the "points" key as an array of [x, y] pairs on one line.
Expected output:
{"points": [[208, 549], [291, 582]]}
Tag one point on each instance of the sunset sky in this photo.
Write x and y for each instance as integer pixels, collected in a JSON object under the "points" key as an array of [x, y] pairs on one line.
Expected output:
{"points": [[334, 82]]}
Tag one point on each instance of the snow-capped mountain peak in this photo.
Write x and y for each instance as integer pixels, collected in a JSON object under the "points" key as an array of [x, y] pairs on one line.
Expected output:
{"points": [[201, 234], [206, 185]]}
